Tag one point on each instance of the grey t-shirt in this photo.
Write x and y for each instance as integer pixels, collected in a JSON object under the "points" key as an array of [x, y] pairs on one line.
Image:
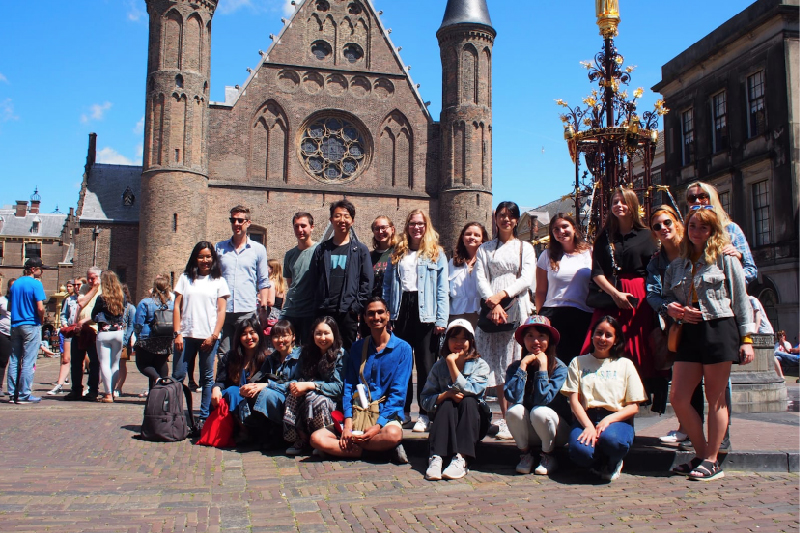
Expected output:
{"points": [[300, 296]]}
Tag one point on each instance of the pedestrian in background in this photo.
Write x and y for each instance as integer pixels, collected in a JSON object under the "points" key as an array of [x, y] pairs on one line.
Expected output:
{"points": [[27, 314], [83, 344], [5, 333], [109, 314], [153, 351]]}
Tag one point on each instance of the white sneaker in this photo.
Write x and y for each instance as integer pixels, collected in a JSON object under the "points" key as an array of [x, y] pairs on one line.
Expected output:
{"points": [[457, 468], [423, 424], [614, 474], [503, 433], [525, 463], [674, 436], [434, 471], [547, 465], [295, 449], [55, 390]]}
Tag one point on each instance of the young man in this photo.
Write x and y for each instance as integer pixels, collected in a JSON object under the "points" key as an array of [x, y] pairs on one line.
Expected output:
{"points": [[387, 370], [244, 267], [27, 313], [298, 306], [343, 273], [84, 344]]}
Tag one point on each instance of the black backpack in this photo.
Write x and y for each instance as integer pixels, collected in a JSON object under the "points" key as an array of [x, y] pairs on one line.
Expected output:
{"points": [[164, 417], [161, 326]]}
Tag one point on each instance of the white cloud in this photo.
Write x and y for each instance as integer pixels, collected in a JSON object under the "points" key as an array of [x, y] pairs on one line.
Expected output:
{"points": [[112, 157], [134, 11], [96, 112], [7, 110], [139, 128], [139, 153], [226, 7], [288, 8], [3, 78]]}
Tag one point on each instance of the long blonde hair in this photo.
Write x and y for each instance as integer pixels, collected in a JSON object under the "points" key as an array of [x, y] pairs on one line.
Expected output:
{"points": [[429, 247], [276, 276], [713, 199], [715, 243], [112, 292]]}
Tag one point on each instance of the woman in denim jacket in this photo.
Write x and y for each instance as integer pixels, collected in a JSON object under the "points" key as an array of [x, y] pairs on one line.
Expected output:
{"points": [[705, 290], [152, 352], [416, 288], [453, 393]]}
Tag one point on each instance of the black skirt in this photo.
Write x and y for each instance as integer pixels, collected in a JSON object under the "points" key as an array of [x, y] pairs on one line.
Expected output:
{"points": [[710, 342]]}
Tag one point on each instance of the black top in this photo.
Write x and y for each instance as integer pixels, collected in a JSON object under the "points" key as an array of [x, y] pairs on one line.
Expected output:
{"points": [[338, 267], [632, 253], [380, 261]]}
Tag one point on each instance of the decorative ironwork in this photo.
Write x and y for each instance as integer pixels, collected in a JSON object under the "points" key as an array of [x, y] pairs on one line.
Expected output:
{"points": [[333, 148]]}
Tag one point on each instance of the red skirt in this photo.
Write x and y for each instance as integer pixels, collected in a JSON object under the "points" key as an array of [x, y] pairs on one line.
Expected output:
{"points": [[636, 325]]}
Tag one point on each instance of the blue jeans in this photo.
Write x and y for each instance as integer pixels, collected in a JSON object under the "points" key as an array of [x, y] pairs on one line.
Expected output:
{"points": [[270, 403], [191, 347], [25, 343], [613, 444]]}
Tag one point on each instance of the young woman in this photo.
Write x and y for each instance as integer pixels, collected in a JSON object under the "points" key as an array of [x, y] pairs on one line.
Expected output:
{"points": [[538, 413], [604, 393], [464, 299], [505, 269], [198, 315], [128, 322], [416, 288], [279, 286], [316, 385], [68, 309], [706, 291], [384, 239], [152, 351], [562, 284], [632, 244], [452, 395], [109, 313]]}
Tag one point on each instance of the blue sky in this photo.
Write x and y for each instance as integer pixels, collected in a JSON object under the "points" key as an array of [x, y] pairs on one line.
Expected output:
{"points": [[70, 68]]}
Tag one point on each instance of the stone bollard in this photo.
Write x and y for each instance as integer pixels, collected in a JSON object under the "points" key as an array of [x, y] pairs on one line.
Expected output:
{"points": [[756, 388]]}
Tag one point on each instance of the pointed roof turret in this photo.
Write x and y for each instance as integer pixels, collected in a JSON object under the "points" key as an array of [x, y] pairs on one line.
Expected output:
{"points": [[466, 12]]}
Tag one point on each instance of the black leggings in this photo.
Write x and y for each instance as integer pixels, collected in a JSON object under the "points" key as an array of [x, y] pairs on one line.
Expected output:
{"points": [[152, 365], [5, 353], [423, 340]]}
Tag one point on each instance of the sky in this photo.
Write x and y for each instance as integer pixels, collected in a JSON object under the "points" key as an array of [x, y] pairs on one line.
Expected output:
{"points": [[71, 68]]}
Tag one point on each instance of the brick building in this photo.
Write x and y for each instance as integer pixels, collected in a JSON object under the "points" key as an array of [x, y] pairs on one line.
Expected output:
{"points": [[733, 123], [329, 111]]}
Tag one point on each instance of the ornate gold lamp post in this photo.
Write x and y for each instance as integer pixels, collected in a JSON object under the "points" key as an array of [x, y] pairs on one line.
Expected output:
{"points": [[608, 131]]}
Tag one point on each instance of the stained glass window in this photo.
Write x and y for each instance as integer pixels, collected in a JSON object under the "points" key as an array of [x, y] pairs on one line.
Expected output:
{"points": [[332, 149]]}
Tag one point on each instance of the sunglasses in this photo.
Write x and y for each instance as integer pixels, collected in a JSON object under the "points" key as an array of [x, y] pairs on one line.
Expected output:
{"points": [[238, 220], [696, 207], [666, 224], [692, 198]]}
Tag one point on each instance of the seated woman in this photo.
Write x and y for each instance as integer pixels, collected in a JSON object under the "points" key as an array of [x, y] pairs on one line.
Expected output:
{"points": [[539, 414], [452, 396], [384, 367], [604, 393], [316, 387]]}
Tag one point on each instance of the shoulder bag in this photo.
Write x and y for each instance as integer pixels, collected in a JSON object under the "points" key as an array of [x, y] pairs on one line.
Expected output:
{"points": [[365, 418], [676, 328], [597, 297], [484, 322]]}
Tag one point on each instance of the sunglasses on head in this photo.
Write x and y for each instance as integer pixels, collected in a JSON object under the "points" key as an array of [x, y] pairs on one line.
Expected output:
{"points": [[696, 207], [694, 197], [237, 219], [666, 224]]}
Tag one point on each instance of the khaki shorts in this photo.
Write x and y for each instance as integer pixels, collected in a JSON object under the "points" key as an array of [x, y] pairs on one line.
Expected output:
{"points": [[393, 423]]}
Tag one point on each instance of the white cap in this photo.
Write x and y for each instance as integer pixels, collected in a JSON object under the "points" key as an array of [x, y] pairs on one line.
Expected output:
{"points": [[460, 323]]}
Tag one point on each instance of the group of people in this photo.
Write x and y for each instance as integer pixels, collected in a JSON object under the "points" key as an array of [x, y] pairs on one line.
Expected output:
{"points": [[565, 343]]}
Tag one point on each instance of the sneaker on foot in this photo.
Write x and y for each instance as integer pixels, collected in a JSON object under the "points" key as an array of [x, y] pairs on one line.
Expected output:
{"points": [[525, 463], [86, 390], [399, 455], [457, 468], [547, 465], [503, 433], [614, 474], [686, 446], [673, 437], [725, 445], [55, 390], [117, 393], [30, 399], [434, 471], [296, 448], [423, 424]]}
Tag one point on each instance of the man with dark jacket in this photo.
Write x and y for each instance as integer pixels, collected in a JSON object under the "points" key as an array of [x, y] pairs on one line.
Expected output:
{"points": [[343, 271]]}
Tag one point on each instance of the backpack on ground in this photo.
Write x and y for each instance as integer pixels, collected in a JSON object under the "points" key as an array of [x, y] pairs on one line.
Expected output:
{"points": [[164, 417]]}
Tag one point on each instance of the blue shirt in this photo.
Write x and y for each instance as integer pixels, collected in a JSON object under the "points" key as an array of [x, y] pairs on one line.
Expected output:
{"points": [[26, 292], [739, 241], [246, 273], [387, 374]]}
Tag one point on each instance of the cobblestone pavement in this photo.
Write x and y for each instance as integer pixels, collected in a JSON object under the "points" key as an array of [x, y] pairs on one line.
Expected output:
{"points": [[70, 467]]}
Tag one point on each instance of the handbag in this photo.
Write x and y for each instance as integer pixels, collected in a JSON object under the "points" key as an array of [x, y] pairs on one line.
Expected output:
{"points": [[676, 329], [218, 428], [161, 326], [365, 418], [70, 331], [663, 358], [597, 298], [484, 322]]}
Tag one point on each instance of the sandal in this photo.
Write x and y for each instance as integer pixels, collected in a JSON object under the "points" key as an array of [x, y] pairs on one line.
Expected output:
{"points": [[706, 472], [686, 468]]}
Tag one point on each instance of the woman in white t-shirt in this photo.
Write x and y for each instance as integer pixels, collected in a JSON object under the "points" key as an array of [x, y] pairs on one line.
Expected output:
{"points": [[604, 393], [562, 283], [465, 302], [198, 315]]}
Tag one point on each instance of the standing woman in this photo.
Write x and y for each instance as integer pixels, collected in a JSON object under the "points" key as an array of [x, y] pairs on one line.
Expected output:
{"points": [[153, 351], [279, 286], [562, 284], [109, 313], [128, 322], [505, 269], [706, 291], [68, 311], [464, 299], [416, 289], [5, 335], [316, 386], [622, 251], [384, 239], [198, 316]]}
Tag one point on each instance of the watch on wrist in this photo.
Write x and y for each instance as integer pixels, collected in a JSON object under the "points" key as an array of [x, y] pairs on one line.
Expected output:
{"points": [[175, 334]]}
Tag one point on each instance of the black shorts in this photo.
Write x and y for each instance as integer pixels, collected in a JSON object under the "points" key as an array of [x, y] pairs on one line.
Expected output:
{"points": [[710, 342]]}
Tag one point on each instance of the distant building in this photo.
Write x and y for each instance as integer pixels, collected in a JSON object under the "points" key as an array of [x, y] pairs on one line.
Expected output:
{"points": [[733, 123]]}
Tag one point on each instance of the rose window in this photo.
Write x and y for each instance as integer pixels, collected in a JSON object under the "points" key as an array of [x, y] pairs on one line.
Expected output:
{"points": [[332, 149]]}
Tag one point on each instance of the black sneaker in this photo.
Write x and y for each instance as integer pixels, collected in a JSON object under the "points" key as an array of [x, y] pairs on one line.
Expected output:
{"points": [[686, 446], [725, 445]]}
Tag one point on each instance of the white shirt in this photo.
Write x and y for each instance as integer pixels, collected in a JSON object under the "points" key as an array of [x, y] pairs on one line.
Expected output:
{"points": [[199, 306], [464, 297], [569, 286], [408, 271], [5, 317]]}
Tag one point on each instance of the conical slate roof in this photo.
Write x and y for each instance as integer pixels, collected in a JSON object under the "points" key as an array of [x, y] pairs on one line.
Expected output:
{"points": [[466, 12]]}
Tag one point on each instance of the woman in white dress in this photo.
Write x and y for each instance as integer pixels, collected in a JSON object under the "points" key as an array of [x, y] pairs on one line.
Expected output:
{"points": [[505, 270]]}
